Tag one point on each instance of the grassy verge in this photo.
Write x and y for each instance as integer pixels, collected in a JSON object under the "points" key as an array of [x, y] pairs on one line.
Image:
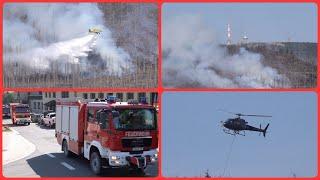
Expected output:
{"points": [[5, 129]]}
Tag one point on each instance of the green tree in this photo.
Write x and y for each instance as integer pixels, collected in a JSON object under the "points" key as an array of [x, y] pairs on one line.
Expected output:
{"points": [[8, 98]]}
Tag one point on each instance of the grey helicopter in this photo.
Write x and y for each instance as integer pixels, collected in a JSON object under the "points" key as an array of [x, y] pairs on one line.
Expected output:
{"points": [[238, 126]]}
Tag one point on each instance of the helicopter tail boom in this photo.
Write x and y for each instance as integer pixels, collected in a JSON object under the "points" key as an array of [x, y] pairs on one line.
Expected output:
{"points": [[265, 130]]}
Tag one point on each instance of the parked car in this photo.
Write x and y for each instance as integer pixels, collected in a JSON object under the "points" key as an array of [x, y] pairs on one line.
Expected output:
{"points": [[35, 118], [40, 121], [32, 117], [44, 115], [50, 120]]}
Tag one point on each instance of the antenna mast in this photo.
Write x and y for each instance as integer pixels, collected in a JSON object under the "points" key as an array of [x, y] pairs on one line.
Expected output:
{"points": [[228, 34]]}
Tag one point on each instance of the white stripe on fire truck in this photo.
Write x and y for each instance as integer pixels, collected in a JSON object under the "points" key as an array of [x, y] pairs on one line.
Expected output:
{"points": [[68, 166]]}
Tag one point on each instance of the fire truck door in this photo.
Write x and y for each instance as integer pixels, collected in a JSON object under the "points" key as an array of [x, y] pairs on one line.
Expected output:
{"points": [[92, 127], [103, 121]]}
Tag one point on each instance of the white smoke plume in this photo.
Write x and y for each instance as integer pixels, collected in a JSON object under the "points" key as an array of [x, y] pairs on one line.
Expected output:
{"points": [[192, 57], [37, 34]]}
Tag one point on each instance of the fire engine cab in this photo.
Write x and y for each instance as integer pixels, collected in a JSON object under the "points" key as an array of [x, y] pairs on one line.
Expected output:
{"points": [[109, 134], [20, 113]]}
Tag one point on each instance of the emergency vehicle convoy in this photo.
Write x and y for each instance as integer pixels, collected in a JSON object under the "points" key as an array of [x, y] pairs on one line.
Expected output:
{"points": [[109, 134], [20, 113]]}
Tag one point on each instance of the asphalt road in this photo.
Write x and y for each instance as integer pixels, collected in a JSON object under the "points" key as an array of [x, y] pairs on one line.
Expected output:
{"points": [[49, 161]]}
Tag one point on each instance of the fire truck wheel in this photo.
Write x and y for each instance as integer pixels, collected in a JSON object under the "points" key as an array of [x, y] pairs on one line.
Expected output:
{"points": [[95, 162], [65, 149]]}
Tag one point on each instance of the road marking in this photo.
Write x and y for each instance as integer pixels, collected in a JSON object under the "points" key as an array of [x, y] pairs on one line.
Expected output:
{"points": [[13, 130], [68, 166], [51, 155]]}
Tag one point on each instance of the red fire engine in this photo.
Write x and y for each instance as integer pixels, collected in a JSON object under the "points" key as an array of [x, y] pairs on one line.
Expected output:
{"points": [[109, 134], [20, 113]]}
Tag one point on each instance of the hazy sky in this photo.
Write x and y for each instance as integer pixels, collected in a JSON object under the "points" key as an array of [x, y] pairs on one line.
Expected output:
{"points": [[265, 22], [193, 140]]}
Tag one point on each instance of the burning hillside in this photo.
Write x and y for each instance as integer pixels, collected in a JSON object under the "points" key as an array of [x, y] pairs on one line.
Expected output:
{"points": [[192, 57]]}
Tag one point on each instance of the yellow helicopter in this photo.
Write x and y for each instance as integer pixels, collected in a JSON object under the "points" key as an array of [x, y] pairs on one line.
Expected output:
{"points": [[95, 30]]}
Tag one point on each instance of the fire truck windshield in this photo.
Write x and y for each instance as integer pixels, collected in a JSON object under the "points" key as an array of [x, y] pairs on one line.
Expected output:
{"points": [[134, 119], [22, 109]]}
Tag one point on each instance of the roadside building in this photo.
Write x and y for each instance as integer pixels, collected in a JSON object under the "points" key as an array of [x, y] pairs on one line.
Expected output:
{"points": [[33, 99], [35, 102]]}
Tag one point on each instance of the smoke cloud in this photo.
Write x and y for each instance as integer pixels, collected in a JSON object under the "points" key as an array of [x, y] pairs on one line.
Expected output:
{"points": [[192, 57], [37, 34]]}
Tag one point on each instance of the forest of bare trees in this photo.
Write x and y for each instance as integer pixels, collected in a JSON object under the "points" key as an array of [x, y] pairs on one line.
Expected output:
{"points": [[24, 76]]}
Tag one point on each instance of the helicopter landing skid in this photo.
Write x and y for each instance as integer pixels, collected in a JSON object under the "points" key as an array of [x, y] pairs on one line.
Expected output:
{"points": [[234, 133]]}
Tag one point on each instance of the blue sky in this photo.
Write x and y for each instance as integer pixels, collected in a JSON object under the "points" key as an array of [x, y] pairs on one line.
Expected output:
{"points": [[262, 22], [193, 140]]}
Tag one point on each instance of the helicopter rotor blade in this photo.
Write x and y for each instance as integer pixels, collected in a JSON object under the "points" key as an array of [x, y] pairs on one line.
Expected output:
{"points": [[239, 114], [234, 113], [255, 115], [225, 111]]}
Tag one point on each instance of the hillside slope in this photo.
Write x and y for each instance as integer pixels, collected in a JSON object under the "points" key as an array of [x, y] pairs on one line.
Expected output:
{"points": [[296, 60]]}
